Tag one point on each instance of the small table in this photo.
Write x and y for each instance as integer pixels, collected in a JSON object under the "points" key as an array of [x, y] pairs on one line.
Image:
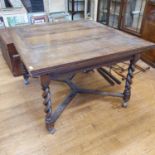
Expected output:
{"points": [[58, 51]]}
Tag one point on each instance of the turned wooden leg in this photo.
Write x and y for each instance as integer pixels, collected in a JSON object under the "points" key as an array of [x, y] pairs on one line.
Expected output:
{"points": [[47, 103], [127, 91], [25, 74]]}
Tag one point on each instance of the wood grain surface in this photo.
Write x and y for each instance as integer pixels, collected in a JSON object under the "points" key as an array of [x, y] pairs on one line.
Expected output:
{"points": [[69, 43]]}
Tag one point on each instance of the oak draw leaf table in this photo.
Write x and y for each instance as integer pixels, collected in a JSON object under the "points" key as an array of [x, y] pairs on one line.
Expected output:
{"points": [[58, 51]]}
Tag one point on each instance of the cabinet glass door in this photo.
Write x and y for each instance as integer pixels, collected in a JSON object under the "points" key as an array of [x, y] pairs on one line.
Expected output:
{"points": [[133, 15], [114, 13], [103, 11], [109, 12]]}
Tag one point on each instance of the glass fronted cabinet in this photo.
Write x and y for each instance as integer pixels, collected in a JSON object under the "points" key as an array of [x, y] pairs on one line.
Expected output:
{"points": [[133, 15], [109, 12], [148, 32], [126, 15]]}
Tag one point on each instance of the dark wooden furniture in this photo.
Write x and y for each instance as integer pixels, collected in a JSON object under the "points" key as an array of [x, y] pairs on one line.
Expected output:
{"points": [[9, 52], [59, 51], [148, 32], [110, 12], [125, 15]]}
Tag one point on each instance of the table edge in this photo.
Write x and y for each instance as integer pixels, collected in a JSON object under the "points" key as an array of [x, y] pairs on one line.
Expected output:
{"points": [[90, 63]]}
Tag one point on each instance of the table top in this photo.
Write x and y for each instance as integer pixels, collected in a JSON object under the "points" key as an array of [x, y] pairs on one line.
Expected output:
{"points": [[44, 48], [5, 36]]}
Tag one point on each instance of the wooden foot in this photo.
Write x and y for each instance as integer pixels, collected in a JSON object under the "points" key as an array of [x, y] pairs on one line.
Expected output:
{"points": [[50, 128], [125, 104], [127, 91], [47, 103], [26, 79], [25, 74]]}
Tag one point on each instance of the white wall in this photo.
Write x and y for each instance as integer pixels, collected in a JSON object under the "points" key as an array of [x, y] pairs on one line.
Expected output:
{"points": [[46, 5], [95, 10], [2, 4], [55, 5]]}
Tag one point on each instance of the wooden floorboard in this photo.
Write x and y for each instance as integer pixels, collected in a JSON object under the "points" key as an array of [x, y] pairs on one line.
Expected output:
{"points": [[91, 125]]}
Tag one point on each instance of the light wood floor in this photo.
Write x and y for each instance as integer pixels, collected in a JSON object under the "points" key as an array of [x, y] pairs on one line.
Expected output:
{"points": [[91, 125]]}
